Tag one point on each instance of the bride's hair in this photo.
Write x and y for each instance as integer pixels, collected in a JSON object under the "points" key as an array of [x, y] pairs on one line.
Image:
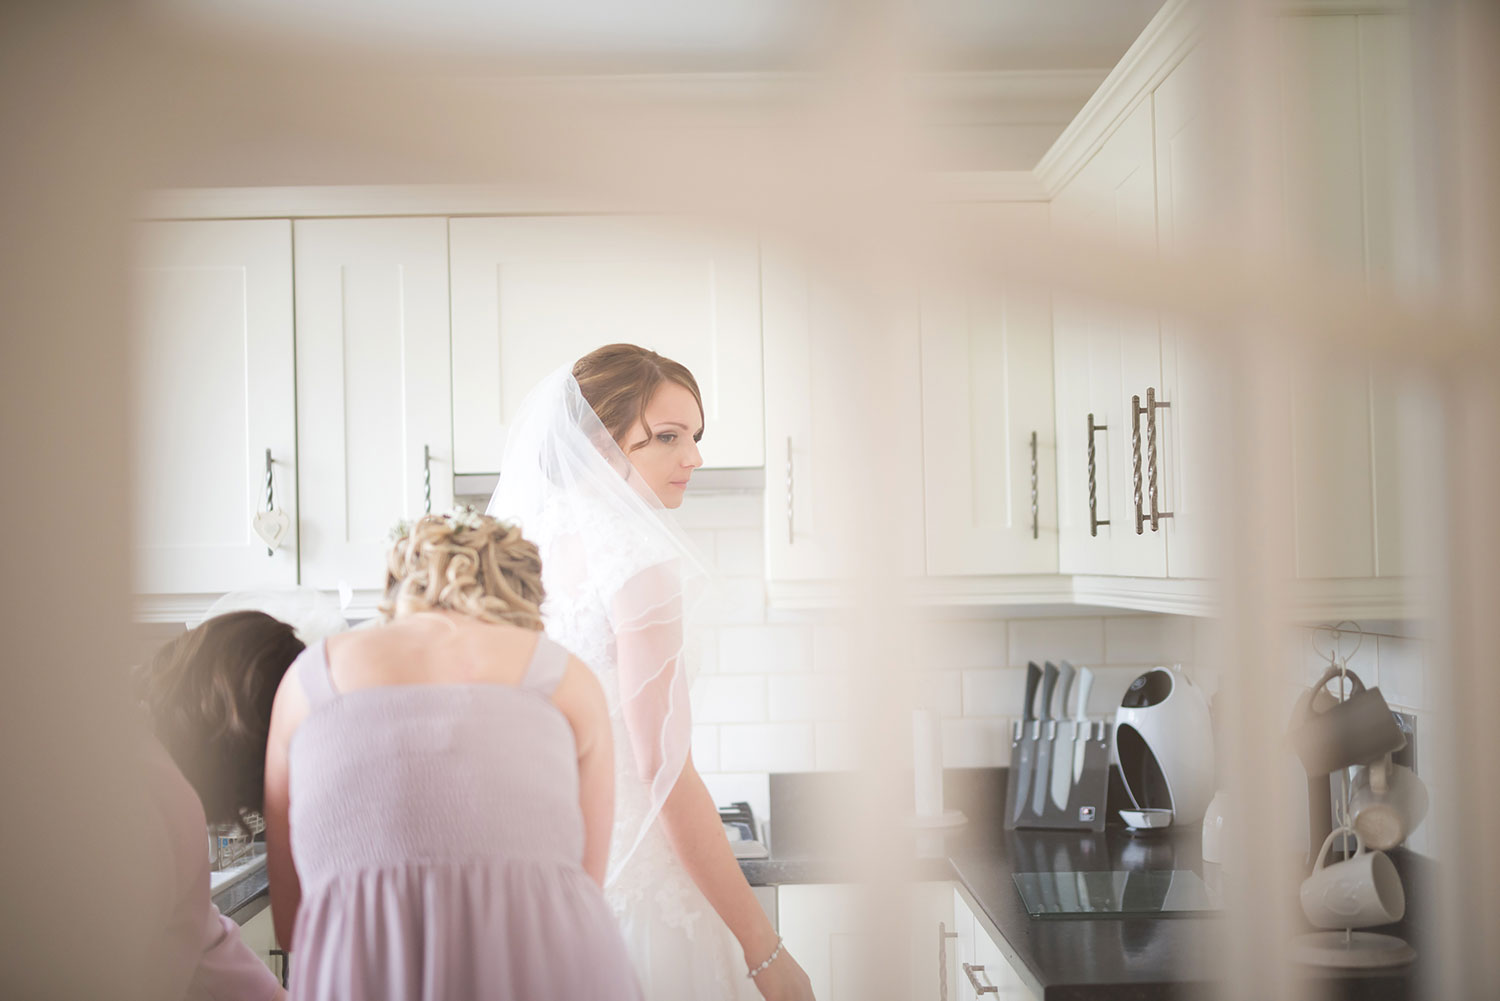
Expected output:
{"points": [[475, 565], [618, 381]]}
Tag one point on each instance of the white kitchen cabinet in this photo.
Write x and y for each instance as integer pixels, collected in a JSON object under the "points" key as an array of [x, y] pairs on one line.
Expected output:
{"points": [[820, 428], [1108, 363], [213, 398], [1192, 449], [1348, 204], [531, 294], [259, 934], [827, 927], [980, 959], [374, 411], [988, 451]]}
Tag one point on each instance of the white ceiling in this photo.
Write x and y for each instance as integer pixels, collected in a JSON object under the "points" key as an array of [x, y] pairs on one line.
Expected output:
{"points": [[700, 35]]}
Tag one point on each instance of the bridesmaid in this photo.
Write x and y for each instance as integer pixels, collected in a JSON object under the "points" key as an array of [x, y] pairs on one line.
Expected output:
{"points": [[439, 791], [208, 694]]}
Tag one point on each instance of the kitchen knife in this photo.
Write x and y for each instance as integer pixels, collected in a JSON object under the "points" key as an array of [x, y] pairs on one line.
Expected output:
{"points": [[1022, 773], [1062, 769], [1081, 730], [1044, 745]]}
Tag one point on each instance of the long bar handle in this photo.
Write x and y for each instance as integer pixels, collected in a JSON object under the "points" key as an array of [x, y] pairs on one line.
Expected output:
{"points": [[790, 515], [427, 479], [1136, 410], [1152, 406], [1035, 523], [972, 968], [1094, 521], [270, 495], [943, 936]]}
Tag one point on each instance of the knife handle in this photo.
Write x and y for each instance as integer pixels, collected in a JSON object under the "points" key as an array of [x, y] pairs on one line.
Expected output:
{"points": [[1033, 675], [1049, 682], [1065, 688]]}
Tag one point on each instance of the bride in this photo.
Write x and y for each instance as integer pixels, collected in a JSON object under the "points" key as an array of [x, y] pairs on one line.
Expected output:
{"points": [[594, 460]]}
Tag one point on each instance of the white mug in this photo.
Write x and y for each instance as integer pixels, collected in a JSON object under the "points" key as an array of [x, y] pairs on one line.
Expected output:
{"points": [[1387, 803], [1358, 892]]}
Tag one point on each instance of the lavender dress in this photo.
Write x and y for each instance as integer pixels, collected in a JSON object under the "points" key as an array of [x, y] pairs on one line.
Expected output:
{"points": [[438, 838]]}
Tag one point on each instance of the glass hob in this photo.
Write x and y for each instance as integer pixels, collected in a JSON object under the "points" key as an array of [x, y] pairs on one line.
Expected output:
{"points": [[1115, 893]]}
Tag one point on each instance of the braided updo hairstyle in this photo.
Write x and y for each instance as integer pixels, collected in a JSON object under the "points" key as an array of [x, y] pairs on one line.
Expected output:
{"points": [[475, 565]]}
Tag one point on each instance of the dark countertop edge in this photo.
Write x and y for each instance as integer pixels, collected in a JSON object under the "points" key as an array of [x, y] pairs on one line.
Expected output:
{"points": [[245, 898]]}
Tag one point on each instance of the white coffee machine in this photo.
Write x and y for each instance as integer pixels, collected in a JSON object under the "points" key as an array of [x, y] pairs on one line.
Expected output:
{"points": [[1163, 741]]}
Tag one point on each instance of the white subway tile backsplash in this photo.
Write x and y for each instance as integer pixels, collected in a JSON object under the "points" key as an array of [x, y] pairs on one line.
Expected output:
{"points": [[1402, 671], [702, 539], [836, 746], [1078, 640], [831, 646], [768, 649], [965, 643], [745, 510], [941, 692], [730, 698], [706, 747], [771, 747], [995, 692], [976, 743], [734, 601], [1148, 639], [741, 552], [810, 697]]}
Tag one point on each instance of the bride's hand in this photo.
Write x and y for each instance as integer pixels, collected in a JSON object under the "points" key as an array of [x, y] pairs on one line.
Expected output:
{"points": [[784, 980]]}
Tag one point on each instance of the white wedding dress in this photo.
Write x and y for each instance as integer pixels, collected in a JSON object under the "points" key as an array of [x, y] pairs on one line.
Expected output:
{"points": [[681, 948], [619, 574]]}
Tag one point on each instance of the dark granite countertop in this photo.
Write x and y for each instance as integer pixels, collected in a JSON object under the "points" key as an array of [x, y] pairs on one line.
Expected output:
{"points": [[1120, 959]]}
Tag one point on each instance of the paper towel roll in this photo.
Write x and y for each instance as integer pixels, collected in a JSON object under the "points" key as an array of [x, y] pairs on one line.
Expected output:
{"points": [[927, 759]]}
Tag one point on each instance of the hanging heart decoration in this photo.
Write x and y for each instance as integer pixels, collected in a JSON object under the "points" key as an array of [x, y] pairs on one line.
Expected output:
{"points": [[272, 526]]}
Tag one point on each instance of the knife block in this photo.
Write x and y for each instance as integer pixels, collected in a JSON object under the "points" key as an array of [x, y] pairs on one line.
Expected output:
{"points": [[1083, 801]]}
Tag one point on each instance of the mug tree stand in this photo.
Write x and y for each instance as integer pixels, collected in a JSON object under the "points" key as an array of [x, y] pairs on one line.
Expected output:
{"points": [[1351, 950]]}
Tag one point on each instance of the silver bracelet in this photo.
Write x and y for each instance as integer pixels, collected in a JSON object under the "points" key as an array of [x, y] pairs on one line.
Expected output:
{"points": [[769, 959]]}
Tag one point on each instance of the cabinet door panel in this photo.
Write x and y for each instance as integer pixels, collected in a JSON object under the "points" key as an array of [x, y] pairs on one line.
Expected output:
{"points": [[1112, 353], [214, 391], [532, 294], [372, 388], [1193, 429], [824, 454], [986, 390]]}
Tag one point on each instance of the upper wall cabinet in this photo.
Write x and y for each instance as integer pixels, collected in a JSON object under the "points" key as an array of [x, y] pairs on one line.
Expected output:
{"points": [[825, 454], [531, 294], [1108, 373], [214, 399], [1348, 199], [988, 450], [373, 405]]}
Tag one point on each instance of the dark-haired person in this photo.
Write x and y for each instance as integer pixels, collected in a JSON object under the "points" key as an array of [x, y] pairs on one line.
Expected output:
{"points": [[209, 694]]}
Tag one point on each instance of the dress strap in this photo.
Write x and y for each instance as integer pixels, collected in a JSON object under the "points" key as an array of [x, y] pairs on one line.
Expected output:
{"points": [[314, 675], [548, 663]]}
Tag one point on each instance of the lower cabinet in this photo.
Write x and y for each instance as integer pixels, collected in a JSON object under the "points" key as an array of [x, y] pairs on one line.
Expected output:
{"points": [[979, 967], [260, 935], [949, 952]]}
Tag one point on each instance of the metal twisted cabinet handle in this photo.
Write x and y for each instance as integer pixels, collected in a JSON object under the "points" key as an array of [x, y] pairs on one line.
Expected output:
{"points": [[969, 970], [1094, 521], [270, 495], [789, 515], [1035, 524], [426, 479], [943, 936], [1152, 406], [1135, 449]]}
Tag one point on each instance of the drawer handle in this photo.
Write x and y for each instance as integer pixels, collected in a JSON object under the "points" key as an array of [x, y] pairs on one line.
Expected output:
{"points": [[791, 535], [943, 936], [1094, 521], [969, 970], [426, 479]]}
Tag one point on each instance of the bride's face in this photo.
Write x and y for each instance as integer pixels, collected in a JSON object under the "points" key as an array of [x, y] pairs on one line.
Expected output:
{"points": [[667, 459]]}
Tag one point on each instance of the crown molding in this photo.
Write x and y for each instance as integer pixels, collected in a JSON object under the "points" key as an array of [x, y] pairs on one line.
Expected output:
{"points": [[1161, 46]]}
